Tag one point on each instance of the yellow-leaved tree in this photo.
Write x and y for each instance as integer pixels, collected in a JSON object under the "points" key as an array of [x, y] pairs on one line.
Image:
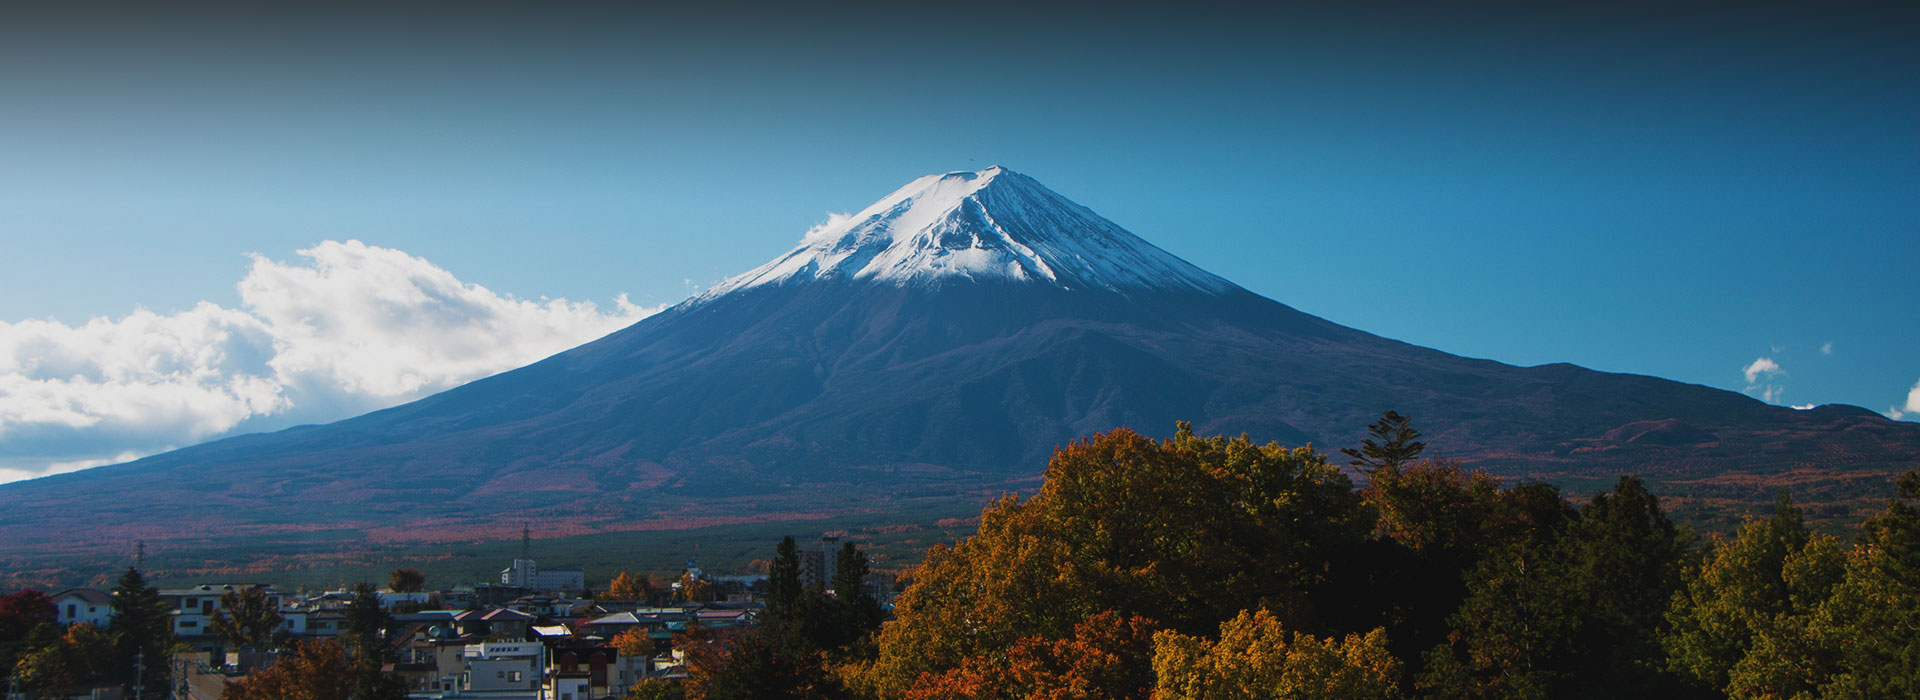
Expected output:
{"points": [[1256, 658]]}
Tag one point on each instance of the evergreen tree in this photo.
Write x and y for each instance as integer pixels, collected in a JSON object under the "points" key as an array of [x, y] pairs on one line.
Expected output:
{"points": [[856, 614], [1391, 443], [142, 632], [366, 623], [783, 583]]}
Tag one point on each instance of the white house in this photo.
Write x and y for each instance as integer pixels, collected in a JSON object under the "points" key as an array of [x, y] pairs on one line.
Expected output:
{"points": [[502, 666], [83, 605]]}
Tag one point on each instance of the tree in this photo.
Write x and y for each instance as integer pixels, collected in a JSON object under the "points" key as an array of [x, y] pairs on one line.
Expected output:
{"points": [[407, 580], [626, 586], [633, 642], [1106, 656], [1189, 531], [1734, 597], [244, 619], [656, 689], [783, 582], [693, 589], [1572, 610], [1256, 659], [856, 614], [21, 614], [77, 657], [317, 671], [1851, 625], [1391, 443], [366, 624], [142, 631]]}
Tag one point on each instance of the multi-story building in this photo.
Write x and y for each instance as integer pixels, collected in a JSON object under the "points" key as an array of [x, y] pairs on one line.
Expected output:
{"points": [[503, 666]]}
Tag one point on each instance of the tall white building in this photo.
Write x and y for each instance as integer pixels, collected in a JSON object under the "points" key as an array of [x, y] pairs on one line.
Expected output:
{"points": [[526, 574]]}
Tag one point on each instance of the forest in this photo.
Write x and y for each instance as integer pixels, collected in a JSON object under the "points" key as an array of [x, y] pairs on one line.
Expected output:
{"points": [[1213, 567]]}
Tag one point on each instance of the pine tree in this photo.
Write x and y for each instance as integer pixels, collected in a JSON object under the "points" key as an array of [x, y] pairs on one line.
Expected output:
{"points": [[142, 631], [1392, 443], [783, 582], [856, 613]]}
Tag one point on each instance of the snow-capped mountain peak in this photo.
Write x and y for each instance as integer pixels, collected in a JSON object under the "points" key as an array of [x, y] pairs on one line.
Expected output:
{"points": [[993, 224]]}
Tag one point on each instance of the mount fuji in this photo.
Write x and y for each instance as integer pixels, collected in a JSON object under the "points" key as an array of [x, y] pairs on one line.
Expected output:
{"points": [[937, 345]]}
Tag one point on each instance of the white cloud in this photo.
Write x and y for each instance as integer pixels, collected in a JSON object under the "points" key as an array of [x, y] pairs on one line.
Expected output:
{"points": [[1912, 406], [1826, 348], [349, 329], [1764, 366], [835, 221], [1763, 376]]}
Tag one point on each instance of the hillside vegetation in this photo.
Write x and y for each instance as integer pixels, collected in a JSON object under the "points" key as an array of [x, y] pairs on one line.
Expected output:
{"points": [[1199, 567]]}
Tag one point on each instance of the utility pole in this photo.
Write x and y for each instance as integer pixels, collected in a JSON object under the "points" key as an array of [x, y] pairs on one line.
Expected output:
{"points": [[139, 668]]}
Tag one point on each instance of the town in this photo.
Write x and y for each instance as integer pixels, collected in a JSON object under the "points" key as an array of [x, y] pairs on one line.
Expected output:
{"points": [[536, 633]]}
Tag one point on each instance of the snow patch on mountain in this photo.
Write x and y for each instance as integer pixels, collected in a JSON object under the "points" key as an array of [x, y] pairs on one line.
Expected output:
{"points": [[990, 224]]}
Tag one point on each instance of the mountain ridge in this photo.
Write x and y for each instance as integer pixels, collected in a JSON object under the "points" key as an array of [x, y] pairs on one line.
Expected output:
{"points": [[806, 392]]}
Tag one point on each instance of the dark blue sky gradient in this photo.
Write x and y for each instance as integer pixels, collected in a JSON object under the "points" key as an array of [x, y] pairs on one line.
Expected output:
{"points": [[1661, 189]]}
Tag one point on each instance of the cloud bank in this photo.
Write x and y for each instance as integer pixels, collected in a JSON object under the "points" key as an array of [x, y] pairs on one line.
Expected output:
{"points": [[347, 329]]}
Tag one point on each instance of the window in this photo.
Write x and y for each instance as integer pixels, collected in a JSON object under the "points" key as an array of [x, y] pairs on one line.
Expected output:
{"points": [[70, 608], [189, 624], [513, 676]]}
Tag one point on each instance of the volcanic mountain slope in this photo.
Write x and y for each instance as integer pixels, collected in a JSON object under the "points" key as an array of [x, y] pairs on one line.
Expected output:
{"points": [[939, 343]]}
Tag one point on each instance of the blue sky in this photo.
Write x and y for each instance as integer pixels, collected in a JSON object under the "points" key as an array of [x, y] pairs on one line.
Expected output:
{"points": [[1670, 190]]}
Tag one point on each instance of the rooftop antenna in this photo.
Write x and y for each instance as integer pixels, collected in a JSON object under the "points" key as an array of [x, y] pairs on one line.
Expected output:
{"points": [[140, 554]]}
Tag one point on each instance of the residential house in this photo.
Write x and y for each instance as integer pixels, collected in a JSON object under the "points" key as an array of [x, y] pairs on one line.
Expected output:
{"points": [[83, 605]]}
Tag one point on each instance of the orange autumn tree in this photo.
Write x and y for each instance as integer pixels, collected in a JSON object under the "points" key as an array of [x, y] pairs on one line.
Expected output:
{"points": [[1107, 656], [628, 587], [318, 671], [1187, 531]]}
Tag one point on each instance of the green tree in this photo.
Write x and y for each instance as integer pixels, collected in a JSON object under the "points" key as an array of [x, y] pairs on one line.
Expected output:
{"points": [[1627, 560], [1572, 610], [1863, 638], [79, 655], [656, 689], [406, 580], [245, 619], [142, 630], [855, 613], [366, 624], [1878, 608], [1738, 592], [1391, 444], [783, 582]]}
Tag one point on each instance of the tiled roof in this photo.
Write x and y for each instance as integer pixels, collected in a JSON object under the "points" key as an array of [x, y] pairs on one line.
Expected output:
{"points": [[89, 595]]}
